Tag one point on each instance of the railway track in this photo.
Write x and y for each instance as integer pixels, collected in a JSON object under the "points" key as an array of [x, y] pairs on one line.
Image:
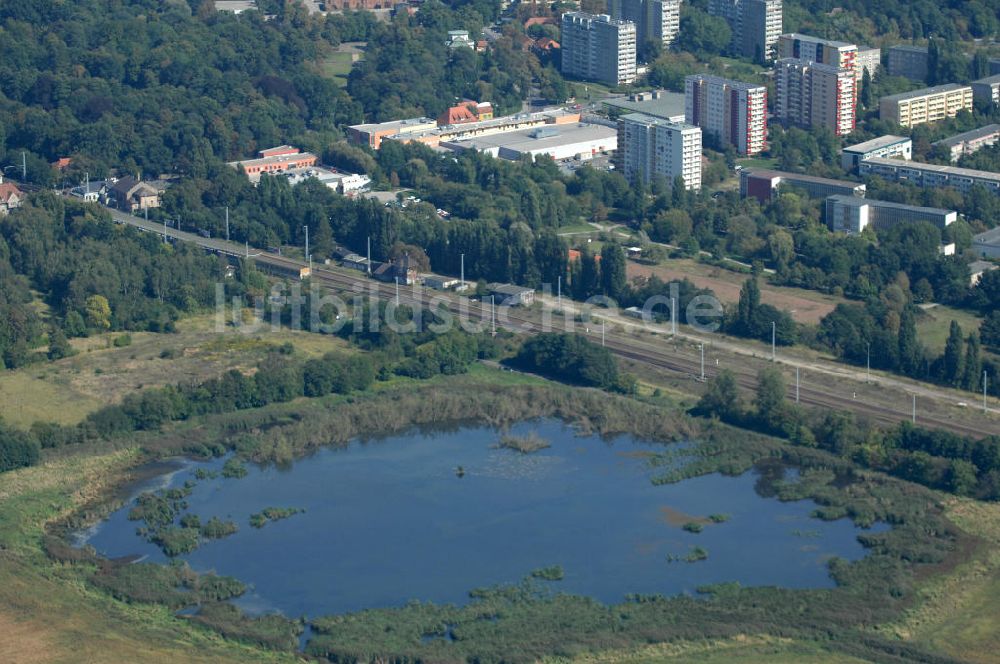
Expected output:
{"points": [[622, 345]]}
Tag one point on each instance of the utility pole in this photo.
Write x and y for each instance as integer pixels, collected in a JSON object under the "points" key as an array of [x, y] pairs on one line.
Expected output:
{"points": [[673, 316], [248, 248], [797, 384], [306, 229], [227, 223], [397, 290], [703, 362], [369, 255], [462, 274], [86, 186], [493, 314], [774, 337], [869, 361], [24, 167]]}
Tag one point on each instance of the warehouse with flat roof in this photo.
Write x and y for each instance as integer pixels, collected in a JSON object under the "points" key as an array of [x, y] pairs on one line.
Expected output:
{"points": [[658, 104], [578, 141]]}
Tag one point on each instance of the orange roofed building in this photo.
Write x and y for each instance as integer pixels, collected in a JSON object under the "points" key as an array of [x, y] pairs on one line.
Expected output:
{"points": [[574, 255], [467, 111], [275, 160]]}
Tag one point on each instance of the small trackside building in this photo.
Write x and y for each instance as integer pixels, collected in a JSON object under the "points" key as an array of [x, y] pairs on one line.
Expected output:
{"points": [[512, 295]]}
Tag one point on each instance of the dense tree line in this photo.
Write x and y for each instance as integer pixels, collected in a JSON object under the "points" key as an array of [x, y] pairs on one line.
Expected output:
{"points": [[933, 458], [409, 71], [162, 87], [570, 357], [177, 87], [951, 21], [94, 275]]}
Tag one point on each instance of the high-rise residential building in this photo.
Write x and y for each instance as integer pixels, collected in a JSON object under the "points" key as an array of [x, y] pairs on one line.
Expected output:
{"points": [[655, 20], [597, 47], [815, 95], [755, 25], [908, 61], [732, 112], [651, 147], [927, 105], [820, 51], [868, 59]]}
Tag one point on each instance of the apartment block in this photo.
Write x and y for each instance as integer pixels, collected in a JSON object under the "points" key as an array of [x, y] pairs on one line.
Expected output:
{"points": [[755, 25], [969, 142], [987, 90], [651, 147], [810, 94], [821, 51], [763, 184], [930, 175], [733, 112], [927, 105], [908, 61], [598, 47], [900, 147], [655, 20], [850, 214], [869, 59]]}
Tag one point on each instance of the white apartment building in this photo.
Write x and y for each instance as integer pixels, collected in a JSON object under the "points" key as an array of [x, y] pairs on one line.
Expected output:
{"points": [[599, 48], [650, 147], [927, 105], [900, 147], [655, 20], [815, 95], [733, 112]]}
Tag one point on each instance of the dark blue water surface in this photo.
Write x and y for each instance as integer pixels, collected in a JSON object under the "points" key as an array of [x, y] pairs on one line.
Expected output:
{"points": [[388, 521]]}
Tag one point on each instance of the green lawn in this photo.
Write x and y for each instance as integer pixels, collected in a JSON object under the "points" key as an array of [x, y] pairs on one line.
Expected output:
{"points": [[337, 67], [32, 394], [934, 325], [758, 162]]}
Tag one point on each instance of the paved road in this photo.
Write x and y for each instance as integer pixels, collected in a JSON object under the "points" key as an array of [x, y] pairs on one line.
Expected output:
{"points": [[621, 339]]}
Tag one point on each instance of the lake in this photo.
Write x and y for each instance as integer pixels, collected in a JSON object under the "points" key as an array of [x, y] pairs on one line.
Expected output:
{"points": [[389, 520]]}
